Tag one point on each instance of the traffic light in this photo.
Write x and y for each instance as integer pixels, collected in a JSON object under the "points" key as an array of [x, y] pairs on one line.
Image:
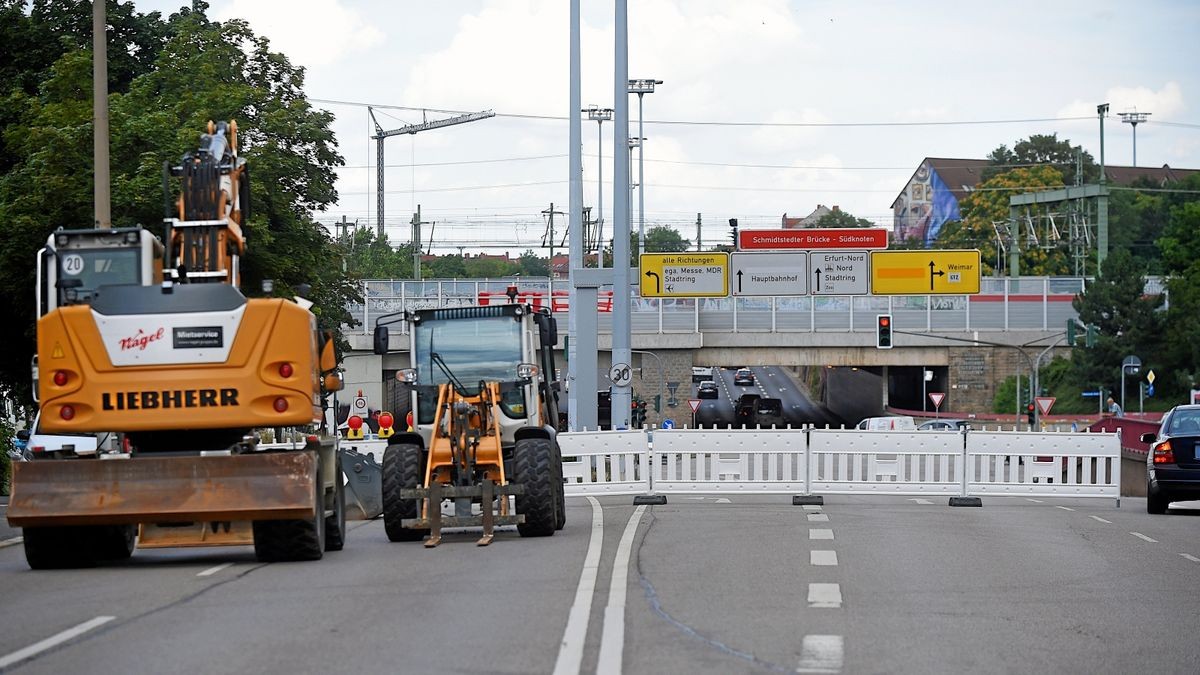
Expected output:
{"points": [[1093, 332], [658, 403], [733, 235], [883, 331], [637, 414], [1071, 332], [1029, 412]]}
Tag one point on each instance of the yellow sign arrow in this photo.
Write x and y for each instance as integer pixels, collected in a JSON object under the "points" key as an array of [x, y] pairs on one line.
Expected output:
{"points": [[684, 275], [930, 272]]}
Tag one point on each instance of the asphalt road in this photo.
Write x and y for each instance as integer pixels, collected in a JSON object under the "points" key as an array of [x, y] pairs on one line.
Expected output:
{"points": [[703, 584], [769, 382]]}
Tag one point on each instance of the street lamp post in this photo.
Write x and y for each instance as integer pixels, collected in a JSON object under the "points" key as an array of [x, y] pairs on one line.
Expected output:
{"points": [[600, 115], [1132, 365], [1134, 119], [641, 88]]}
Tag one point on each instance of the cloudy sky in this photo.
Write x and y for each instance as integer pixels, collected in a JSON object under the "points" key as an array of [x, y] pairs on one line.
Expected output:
{"points": [[767, 107]]}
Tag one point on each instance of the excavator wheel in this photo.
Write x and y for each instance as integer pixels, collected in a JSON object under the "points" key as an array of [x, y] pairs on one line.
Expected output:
{"points": [[335, 523], [403, 467], [534, 468], [293, 540], [560, 511], [56, 548]]}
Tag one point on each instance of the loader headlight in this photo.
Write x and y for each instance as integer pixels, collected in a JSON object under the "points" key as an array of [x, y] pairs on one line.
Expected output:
{"points": [[526, 371]]}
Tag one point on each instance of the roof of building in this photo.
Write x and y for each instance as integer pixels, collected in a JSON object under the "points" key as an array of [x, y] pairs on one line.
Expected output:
{"points": [[1126, 175]]}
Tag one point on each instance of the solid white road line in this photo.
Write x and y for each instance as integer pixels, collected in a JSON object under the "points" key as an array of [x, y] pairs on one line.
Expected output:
{"points": [[1065, 508], [612, 638], [821, 654], [570, 652], [1101, 520], [1190, 557], [11, 542], [213, 570], [818, 518], [826, 558], [1143, 537], [53, 641], [817, 533], [824, 596], [1035, 501]]}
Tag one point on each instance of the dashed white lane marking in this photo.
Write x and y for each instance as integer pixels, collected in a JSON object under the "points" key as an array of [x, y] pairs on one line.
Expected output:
{"points": [[821, 654], [1190, 557], [811, 507], [612, 638], [826, 558], [213, 570], [1101, 520], [1035, 501], [817, 533], [918, 500], [1143, 537], [53, 641], [824, 596], [11, 542], [570, 652], [818, 518], [1065, 508], [722, 500]]}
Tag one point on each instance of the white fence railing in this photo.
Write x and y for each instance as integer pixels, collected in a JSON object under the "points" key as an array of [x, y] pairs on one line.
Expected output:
{"points": [[828, 461]]}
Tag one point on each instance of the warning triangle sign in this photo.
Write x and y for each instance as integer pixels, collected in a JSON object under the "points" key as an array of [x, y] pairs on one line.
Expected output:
{"points": [[695, 403], [58, 351], [1045, 403]]}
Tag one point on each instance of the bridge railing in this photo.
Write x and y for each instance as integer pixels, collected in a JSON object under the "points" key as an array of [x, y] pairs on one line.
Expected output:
{"points": [[1022, 303], [973, 463]]}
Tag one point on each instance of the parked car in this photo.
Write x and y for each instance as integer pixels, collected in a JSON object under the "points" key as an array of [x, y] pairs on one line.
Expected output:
{"points": [[1173, 463], [707, 389], [944, 425], [702, 373], [743, 377], [889, 423]]}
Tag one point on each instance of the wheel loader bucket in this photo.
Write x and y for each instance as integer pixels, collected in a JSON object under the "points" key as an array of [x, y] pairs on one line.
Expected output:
{"points": [[269, 486]]}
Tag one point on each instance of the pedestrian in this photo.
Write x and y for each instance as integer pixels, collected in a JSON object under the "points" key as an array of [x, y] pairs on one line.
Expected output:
{"points": [[1114, 409]]}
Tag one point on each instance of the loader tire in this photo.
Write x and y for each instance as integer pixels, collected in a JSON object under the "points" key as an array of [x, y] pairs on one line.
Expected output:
{"points": [[560, 516], [114, 542], [533, 459], [293, 540], [335, 523], [57, 548], [403, 468]]}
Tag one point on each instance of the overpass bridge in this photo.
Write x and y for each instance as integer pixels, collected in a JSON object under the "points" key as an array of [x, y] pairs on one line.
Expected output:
{"points": [[828, 343]]}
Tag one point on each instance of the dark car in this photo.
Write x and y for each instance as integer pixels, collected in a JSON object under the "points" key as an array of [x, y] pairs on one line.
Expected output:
{"points": [[743, 377], [1173, 463], [745, 411], [768, 413], [707, 389], [944, 425]]}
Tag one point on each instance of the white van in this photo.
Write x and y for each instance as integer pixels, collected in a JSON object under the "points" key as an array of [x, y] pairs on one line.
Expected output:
{"points": [[890, 423]]}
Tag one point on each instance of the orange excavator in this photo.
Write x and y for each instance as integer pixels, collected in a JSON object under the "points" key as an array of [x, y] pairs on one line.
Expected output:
{"points": [[207, 406]]}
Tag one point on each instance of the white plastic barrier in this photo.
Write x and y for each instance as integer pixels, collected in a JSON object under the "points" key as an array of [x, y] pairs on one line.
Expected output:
{"points": [[605, 462], [1044, 464], [716, 461], [885, 462]]}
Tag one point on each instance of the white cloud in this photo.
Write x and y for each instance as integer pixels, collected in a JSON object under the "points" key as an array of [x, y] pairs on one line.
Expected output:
{"points": [[309, 32], [1163, 104]]}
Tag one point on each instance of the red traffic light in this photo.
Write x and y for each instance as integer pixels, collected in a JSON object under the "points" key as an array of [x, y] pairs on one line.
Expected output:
{"points": [[885, 321]]}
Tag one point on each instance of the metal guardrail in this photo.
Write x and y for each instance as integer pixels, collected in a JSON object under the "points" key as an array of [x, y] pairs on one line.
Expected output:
{"points": [[1022, 303], [831, 461]]}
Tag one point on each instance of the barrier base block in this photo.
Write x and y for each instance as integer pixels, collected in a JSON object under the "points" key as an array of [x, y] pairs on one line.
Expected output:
{"points": [[808, 500], [966, 501], [651, 500]]}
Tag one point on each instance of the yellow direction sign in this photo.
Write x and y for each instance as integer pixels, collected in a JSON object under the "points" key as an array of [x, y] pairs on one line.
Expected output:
{"points": [[929, 272], [684, 275]]}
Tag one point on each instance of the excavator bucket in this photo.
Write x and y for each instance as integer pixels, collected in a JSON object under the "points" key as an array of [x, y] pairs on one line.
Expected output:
{"points": [[269, 486]]}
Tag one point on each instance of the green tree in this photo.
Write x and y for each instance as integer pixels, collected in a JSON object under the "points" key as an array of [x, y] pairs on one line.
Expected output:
{"points": [[840, 218], [204, 71], [530, 264], [488, 268], [1128, 323], [372, 257], [1041, 149], [448, 267], [1180, 246]]}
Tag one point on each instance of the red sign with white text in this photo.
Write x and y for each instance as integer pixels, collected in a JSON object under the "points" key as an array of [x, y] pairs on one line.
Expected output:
{"points": [[839, 238]]}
